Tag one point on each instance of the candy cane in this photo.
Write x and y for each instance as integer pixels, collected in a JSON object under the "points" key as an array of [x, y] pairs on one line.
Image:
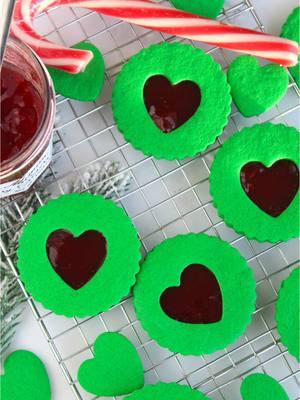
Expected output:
{"points": [[153, 16]]}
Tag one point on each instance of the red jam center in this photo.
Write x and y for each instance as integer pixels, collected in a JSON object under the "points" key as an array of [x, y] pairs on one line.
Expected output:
{"points": [[76, 259], [271, 189], [170, 106], [198, 299], [21, 112]]}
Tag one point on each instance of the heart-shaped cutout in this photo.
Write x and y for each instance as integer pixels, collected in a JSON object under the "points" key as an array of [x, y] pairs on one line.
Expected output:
{"points": [[256, 89], [22, 371], [204, 8], [198, 299], [170, 106], [262, 387], [116, 369], [76, 259], [271, 189], [85, 86]]}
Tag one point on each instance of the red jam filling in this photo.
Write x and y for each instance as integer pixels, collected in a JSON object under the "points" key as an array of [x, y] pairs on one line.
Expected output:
{"points": [[76, 259], [198, 299], [21, 112], [271, 189], [170, 106]]}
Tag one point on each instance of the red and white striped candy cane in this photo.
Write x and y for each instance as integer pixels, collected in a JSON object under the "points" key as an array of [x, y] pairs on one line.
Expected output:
{"points": [[153, 16]]}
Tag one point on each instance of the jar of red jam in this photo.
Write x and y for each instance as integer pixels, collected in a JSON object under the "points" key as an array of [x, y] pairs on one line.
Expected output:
{"points": [[27, 118]]}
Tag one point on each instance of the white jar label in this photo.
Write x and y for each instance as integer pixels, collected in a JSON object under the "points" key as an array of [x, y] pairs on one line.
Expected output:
{"points": [[27, 180]]}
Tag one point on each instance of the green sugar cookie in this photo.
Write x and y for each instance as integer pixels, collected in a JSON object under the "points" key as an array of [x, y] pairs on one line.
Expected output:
{"points": [[167, 391], [116, 369], [262, 387], [194, 294], [22, 371], [204, 8], [288, 313], [259, 167], [86, 85], [291, 30], [171, 110], [78, 255], [256, 89]]}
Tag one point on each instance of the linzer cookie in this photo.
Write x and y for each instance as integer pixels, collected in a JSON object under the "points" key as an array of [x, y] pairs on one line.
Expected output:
{"points": [[189, 296], [79, 255], [171, 110], [167, 391], [259, 167], [290, 30], [288, 313], [262, 387]]}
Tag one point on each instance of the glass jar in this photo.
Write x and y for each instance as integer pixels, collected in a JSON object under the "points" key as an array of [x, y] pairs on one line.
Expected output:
{"points": [[22, 168]]}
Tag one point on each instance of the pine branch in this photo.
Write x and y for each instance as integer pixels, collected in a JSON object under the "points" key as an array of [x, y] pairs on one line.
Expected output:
{"points": [[104, 179]]}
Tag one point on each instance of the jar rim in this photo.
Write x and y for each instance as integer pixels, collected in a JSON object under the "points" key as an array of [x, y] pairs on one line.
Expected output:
{"points": [[42, 135]]}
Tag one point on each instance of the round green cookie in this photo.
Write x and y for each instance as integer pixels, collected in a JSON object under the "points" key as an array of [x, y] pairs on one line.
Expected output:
{"points": [[22, 371], [163, 269], [116, 369], [85, 86], [204, 8], [256, 89], [291, 30], [265, 144], [102, 287], [201, 129], [262, 387], [167, 391], [288, 313]]}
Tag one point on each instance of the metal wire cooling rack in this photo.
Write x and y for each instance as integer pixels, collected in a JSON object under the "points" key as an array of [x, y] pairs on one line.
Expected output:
{"points": [[165, 198]]}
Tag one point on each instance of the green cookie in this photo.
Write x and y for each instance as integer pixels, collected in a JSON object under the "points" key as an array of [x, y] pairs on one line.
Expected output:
{"points": [[85, 86], [288, 313], [256, 89], [262, 387], [204, 8], [25, 378], [291, 30], [167, 391], [116, 369]]}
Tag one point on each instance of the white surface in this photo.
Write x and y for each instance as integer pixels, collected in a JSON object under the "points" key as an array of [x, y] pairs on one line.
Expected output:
{"points": [[29, 336]]}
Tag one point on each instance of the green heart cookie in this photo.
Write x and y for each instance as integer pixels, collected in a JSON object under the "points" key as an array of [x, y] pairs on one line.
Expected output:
{"points": [[116, 369], [204, 8], [262, 387], [256, 89], [85, 86], [291, 30], [25, 378]]}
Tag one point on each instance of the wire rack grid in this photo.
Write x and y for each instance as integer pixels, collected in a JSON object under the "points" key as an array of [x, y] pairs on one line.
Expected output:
{"points": [[164, 199]]}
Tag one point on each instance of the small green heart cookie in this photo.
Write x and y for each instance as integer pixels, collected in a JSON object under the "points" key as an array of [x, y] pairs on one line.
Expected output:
{"points": [[288, 313], [167, 391], [291, 30], [262, 387], [25, 378], [204, 8], [256, 89], [85, 86], [116, 369]]}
